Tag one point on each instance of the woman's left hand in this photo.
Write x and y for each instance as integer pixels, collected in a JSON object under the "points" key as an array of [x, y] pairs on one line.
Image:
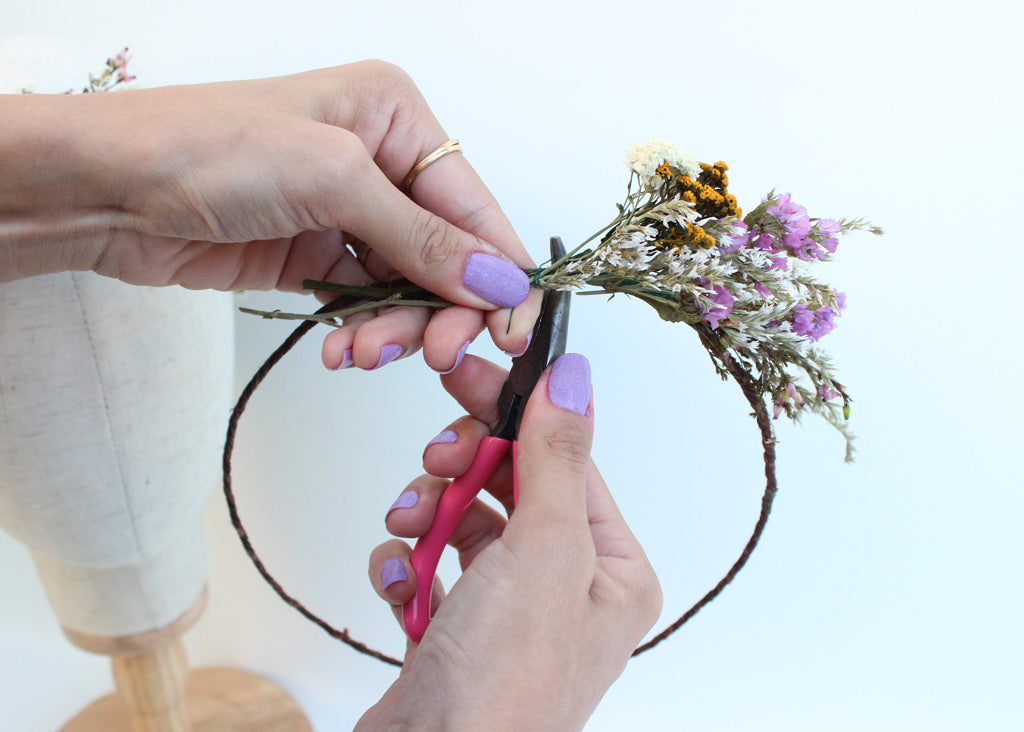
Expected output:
{"points": [[261, 184]]}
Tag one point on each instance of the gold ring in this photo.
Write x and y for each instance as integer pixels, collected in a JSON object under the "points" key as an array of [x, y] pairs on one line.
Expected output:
{"points": [[448, 147]]}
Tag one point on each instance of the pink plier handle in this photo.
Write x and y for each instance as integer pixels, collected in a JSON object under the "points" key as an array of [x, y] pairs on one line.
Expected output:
{"points": [[450, 509]]}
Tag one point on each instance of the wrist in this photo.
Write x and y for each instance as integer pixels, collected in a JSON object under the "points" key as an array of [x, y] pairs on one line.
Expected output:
{"points": [[63, 186]]}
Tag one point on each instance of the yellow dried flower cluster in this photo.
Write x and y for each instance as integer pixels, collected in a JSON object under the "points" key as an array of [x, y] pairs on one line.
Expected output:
{"points": [[677, 237], [708, 194]]}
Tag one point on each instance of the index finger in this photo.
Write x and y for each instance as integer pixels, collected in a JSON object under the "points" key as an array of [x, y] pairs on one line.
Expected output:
{"points": [[451, 188], [398, 129], [396, 125]]}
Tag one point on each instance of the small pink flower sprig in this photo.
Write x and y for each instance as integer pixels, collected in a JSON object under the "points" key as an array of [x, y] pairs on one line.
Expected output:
{"points": [[114, 74]]}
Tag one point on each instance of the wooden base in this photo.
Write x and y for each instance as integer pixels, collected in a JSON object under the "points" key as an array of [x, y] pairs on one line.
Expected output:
{"points": [[219, 700]]}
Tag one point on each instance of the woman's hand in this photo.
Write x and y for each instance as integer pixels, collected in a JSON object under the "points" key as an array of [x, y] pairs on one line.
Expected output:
{"points": [[551, 602], [259, 185]]}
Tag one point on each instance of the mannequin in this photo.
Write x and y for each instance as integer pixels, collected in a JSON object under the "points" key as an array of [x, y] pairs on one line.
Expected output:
{"points": [[113, 402]]}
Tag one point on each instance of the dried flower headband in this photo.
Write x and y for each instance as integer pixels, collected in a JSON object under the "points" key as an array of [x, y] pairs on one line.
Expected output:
{"points": [[678, 243]]}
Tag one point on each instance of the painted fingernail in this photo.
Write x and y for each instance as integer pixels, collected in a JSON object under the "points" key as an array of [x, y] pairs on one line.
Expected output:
{"points": [[496, 280], [529, 337], [346, 360], [569, 383], [446, 436], [388, 353], [406, 500], [392, 571], [458, 358]]}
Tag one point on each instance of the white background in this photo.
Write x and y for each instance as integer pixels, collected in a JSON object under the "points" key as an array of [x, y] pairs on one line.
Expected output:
{"points": [[886, 595]]}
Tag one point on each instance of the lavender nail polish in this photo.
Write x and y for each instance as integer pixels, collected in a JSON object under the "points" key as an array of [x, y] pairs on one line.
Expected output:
{"points": [[458, 357], [569, 383], [406, 500], [388, 353], [446, 436], [392, 571], [496, 280], [346, 360]]}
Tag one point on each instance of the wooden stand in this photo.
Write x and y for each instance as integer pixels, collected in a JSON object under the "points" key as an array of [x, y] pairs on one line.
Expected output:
{"points": [[212, 700], [157, 693]]}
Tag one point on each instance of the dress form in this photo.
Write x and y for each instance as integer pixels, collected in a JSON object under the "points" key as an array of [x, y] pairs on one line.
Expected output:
{"points": [[113, 402]]}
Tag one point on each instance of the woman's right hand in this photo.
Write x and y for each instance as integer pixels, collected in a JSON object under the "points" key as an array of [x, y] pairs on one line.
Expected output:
{"points": [[551, 602]]}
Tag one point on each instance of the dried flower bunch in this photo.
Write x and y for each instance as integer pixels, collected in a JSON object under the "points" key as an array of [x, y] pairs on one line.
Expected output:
{"points": [[681, 244]]}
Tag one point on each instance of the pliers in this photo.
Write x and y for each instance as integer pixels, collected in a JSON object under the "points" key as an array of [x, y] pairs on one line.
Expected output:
{"points": [[546, 345]]}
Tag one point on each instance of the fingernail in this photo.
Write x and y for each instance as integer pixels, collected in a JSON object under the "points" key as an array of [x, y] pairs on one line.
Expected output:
{"points": [[446, 436], [388, 353], [529, 337], [569, 383], [392, 571], [406, 500], [346, 360], [496, 280], [458, 358]]}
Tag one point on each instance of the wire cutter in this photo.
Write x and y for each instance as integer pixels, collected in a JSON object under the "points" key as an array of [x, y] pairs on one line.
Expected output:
{"points": [[546, 345]]}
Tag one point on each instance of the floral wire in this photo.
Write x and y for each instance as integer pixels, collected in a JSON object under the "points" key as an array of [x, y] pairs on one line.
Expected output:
{"points": [[768, 442], [767, 499], [236, 521]]}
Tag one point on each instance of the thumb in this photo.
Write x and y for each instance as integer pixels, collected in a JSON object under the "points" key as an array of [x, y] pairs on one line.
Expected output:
{"points": [[424, 247], [553, 454]]}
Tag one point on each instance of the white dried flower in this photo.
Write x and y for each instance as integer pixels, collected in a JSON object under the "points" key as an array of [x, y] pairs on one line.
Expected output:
{"points": [[644, 159]]}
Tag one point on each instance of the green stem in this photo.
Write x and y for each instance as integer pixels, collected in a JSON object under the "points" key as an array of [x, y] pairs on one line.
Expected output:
{"points": [[329, 318], [374, 291], [554, 265]]}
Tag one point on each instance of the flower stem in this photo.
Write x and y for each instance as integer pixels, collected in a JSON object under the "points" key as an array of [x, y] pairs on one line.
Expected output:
{"points": [[330, 318]]}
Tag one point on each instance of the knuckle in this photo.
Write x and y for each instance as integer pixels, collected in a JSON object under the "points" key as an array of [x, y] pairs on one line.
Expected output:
{"points": [[635, 597], [477, 217], [380, 69], [434, 240], [349, 153], [649, 598], [387, 77], [335, 154], [565, 443]]}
